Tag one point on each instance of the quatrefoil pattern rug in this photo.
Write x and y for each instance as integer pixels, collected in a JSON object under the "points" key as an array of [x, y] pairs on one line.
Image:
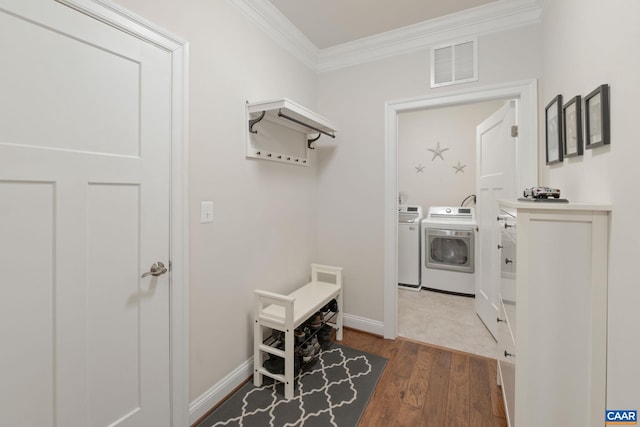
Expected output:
{"points": [[334, 392]]}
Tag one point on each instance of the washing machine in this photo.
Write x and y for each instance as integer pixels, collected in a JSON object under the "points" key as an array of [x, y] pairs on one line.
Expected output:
{"points": [[409, 220], [448, 250]]}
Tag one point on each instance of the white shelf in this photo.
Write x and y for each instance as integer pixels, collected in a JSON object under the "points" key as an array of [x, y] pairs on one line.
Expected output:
{"points": [[291, 109], [281, 130]]}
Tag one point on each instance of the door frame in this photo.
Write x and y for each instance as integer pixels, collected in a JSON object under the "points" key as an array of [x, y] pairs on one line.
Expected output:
{"points": [[124, 20], [526, 169]]}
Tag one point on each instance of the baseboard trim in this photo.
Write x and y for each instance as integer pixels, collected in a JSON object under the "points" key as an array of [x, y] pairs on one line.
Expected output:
{"points": [[210, 398], [363, 324]]}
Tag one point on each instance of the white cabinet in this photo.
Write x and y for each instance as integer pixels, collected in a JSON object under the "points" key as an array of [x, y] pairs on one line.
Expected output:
{"points": [[557, 290], [506, 356]]}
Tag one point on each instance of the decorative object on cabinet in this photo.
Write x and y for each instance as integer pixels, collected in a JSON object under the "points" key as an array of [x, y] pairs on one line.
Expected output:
{"points": [[551, 200], [597, 128], [541, 194], [285, 313], [419, 168], [553, 130], [283, 131], [552, 362], [437, 152], [572, 127]]}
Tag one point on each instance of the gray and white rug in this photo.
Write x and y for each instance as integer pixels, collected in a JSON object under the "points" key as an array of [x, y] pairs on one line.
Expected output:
{"points": [[334, 392]]}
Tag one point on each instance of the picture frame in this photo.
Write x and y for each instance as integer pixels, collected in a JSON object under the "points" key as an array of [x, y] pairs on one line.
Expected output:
{"points": [[572, 127], [553, 131], [597, 127]]}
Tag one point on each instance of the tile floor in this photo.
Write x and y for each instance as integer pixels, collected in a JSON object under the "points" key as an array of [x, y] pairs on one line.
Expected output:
{"points": [[444, 320]]}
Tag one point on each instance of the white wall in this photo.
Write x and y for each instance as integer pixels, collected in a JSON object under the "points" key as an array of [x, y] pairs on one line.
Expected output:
{"points": [[264, 228], [587, 43], [438, 184], [351, 183]]}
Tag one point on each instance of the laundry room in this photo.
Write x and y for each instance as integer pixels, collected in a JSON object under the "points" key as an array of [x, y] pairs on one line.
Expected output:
{"points": [[437, 169]]}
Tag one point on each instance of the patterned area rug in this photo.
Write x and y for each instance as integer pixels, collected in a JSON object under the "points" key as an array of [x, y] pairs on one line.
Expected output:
{"points": [[334, 392]]}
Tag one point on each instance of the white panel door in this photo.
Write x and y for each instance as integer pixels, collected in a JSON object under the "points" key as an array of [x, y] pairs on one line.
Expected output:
{"points": [[495, 179], [85, 138]]}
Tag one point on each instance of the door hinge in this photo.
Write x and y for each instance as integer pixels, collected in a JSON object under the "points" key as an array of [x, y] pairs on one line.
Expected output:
{"points": [[514, 131]]}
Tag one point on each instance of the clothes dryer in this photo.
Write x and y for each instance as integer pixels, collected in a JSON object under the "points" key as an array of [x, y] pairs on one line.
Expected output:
{"points": [[448, 250]]}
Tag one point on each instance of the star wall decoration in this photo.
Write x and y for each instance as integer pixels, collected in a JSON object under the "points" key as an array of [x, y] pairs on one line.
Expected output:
{"points": [[437, 152], [419, 168], [459, 167]]}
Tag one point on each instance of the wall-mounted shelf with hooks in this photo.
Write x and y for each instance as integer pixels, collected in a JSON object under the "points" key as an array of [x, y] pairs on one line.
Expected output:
{"points": [[281, 130]]}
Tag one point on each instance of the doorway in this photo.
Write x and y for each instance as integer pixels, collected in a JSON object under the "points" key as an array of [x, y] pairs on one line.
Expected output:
{"points": [[437, 314], [526, 175]]}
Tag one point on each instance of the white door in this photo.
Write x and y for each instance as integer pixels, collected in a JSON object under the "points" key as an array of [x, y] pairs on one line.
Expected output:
{"points": [[85, 122], [496, 159]]}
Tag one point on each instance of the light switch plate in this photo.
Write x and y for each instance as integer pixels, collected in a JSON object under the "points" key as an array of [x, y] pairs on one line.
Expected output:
{"points": [[206, 212]]}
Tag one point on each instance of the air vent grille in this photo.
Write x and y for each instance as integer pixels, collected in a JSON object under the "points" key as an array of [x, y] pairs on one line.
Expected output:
{"points": [[454, 63]]}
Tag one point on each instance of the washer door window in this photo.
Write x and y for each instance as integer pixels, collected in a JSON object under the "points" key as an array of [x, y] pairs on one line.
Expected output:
{"points": [[449, 249]]}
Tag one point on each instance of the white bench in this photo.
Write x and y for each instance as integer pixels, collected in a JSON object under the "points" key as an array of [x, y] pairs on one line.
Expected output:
{"points": [[285, 313]]}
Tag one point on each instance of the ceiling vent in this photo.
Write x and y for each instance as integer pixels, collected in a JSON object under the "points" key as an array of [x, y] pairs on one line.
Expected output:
{"points": [[454, 63]]}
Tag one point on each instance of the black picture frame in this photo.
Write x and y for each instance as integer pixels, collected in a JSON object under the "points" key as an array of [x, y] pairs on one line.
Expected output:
{"points": [[553, 130], [596, 109], [572, 127]]}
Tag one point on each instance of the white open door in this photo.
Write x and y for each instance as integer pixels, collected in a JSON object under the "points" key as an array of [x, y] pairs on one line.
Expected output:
{"points": [[85, 140], [496, 160]]}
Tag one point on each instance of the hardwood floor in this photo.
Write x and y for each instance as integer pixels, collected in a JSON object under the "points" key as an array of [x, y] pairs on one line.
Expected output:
{"points": [[424, 385]]}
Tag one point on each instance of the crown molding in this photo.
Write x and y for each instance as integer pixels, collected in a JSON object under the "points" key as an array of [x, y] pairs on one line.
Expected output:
{"points": [[277, 26], [490, 18], [501, 15]]}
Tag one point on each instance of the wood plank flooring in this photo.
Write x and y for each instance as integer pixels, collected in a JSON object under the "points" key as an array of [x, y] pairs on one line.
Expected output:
{"points": [[424, 385]]}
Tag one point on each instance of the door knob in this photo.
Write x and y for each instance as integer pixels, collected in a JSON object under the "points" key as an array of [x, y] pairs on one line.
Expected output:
{"points": [[157, 269]]}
